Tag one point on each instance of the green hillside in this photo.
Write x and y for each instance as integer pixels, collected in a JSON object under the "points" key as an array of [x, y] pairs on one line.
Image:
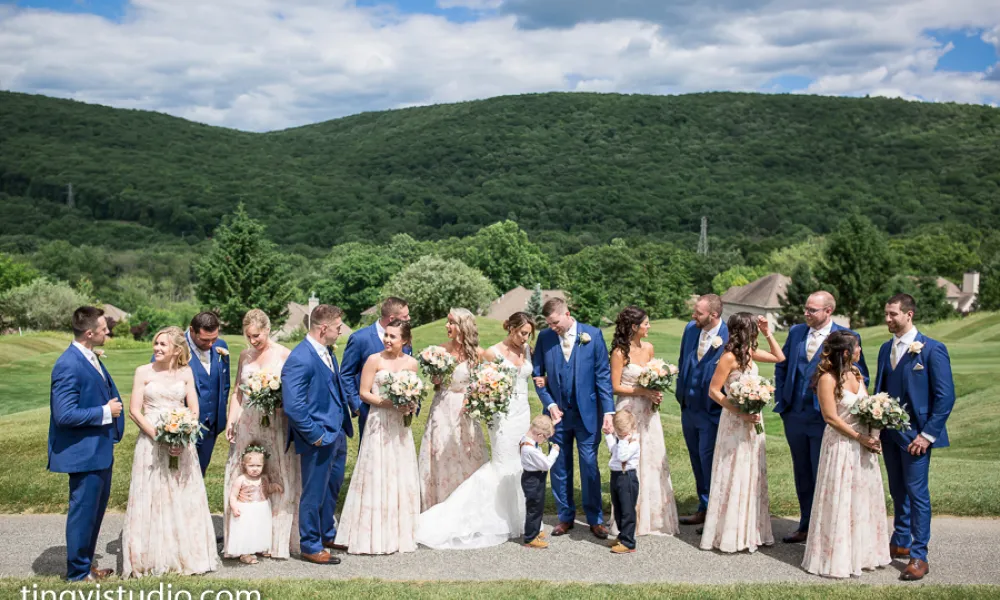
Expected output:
{"points": [[581, 167]]}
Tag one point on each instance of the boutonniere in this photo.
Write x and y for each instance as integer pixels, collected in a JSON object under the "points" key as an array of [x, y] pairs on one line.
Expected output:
{"points": [[584, 339], [223, 353], [918, 367], [99, 353], [916, 347], [716, 342], [332, 348]]}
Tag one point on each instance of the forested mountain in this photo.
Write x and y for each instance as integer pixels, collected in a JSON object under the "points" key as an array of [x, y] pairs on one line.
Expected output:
{"points": [[571, 169]]}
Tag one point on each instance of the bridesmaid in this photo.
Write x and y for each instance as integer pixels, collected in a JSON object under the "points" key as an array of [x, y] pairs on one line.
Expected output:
{"points": [[656, 511], [168, 527], [738, 516], [848, 530], [383, 503], [453, 446], [243, 428]]}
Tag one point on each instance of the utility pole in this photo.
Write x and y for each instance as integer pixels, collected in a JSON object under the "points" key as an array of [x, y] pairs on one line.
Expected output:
{"points": [[703, 240]]}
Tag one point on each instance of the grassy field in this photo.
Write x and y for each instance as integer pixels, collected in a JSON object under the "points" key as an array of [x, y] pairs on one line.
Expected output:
{"points": [[963, 477], [300, 589]]}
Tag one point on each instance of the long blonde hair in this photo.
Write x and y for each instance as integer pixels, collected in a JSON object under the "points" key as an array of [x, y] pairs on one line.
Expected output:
{"points": [[469, 341], [175, 339]]}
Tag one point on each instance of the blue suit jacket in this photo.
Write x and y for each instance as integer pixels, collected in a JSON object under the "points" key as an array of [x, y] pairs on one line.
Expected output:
{"points": [[796, 371], [694, 376], [362, 344], [928, 388], [213, 389], [592, 386], [77, 440], [312, 398]]}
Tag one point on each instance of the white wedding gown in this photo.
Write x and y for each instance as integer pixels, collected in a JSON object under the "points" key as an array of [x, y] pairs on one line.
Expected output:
{"points": [[488, 508]]}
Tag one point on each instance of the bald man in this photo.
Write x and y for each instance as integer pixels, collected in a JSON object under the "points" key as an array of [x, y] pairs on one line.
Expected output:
{"points": [[796, 401]]}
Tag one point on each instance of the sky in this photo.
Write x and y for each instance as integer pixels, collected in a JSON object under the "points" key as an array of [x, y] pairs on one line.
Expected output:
{"points": [[261, 65]]}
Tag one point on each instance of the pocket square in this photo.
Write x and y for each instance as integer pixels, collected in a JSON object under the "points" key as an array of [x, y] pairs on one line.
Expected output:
{"points": [[918, 367]]}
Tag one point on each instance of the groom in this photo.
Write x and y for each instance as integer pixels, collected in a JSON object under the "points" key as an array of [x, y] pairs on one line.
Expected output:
{"points": [[84, 425], [917, 370], [796, 401], [319, 424], [210, 367], [573, 360]]}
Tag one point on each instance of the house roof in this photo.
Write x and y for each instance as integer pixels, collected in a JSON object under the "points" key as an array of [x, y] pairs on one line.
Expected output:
{"points": [[516, 300], [113, 312], [765, 292], [951, 291]]}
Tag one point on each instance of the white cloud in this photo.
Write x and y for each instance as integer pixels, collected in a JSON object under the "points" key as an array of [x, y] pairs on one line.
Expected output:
{"points": [[267, 64]]}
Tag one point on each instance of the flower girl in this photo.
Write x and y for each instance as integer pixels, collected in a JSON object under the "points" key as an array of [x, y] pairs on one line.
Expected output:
{"points": [[249, 508]]}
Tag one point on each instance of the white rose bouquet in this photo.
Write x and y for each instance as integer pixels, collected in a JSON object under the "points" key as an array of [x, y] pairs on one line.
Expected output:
{"points": [[881, 411], [750, 394], [263, 392], [404, 388], [657, 375], [437, 363]]}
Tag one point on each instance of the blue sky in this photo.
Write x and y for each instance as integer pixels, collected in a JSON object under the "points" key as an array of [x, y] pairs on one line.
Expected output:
{"points": [[269, 64]]}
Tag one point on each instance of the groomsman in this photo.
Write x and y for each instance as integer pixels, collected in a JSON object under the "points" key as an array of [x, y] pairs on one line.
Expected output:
{"points": [[319, 424], [917, 370], [701, 346], [84, 425], [796, 401], [362, 344], [210, 366]]}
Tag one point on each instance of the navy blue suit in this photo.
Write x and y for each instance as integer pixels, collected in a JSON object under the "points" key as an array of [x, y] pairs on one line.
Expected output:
{"points": [[80, 445], [581, 388], [798, 405], [213, 397], [317, 411], [923, 383], [699, 413], [362, 344]]}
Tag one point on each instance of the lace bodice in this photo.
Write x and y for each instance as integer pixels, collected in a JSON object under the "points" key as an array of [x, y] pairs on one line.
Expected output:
{"points": [[160, 396], [524, 372]]}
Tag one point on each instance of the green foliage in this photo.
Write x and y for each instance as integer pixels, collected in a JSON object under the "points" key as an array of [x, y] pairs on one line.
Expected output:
{"points": [[504, 254], [179, 315], [937, 254], [704, 268], [738, 275], [14, 274], [932, 303], [858, 263], [787, 260], [353, 277], [534, 307], [123, 330], [40, 304], [243, 271], [433, 286], [793, 304]]}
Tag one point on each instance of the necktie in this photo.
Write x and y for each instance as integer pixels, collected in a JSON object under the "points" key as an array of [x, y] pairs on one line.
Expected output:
{"points": [[97, 365], [327, 359], [812, 345], [702, 344], [894, 359], [567, 346]]}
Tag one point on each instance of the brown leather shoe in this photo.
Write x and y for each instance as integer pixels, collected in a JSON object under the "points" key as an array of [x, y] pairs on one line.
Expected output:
{"points": [[696, 519], [796, 538], [321, 558], [562, 528], [915, 570], [537, 543], [898, 552], [333, 546], [101, 574], [600, 531]]}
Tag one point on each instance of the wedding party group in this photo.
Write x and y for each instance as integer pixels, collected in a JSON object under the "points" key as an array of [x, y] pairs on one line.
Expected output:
{"points": [[289, 416]]}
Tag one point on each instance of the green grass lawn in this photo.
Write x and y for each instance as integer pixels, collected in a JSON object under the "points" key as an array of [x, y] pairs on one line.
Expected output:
{"points": [[963, 477], [300, 589]]}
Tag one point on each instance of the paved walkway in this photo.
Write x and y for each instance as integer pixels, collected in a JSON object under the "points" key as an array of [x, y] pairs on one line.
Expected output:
{"points": [[962, 551]]}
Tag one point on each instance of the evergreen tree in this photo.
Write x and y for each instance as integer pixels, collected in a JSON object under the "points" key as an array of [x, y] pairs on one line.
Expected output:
{"points": [[858, 264], [534, 307], [243, 271], [793, 303]]}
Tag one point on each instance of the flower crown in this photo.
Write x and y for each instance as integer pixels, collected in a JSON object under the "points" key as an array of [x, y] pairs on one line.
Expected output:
{"points": [[255, 449]]}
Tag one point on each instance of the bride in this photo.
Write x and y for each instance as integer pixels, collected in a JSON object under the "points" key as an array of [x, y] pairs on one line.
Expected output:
{"points": [[488, 508]]}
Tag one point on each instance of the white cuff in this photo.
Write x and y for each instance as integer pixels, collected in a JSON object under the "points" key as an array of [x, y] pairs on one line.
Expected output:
{"points": [[107, 415], [930, 438], [549, 407]]}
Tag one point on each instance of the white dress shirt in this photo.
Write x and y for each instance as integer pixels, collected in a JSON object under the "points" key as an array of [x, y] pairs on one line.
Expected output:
{"points": [[567, 340], [532, 457], [92, 359], [624, 454], [816, 338], [203, 356], [901, 345], [380, 330], [323, 351], [705, 339]]}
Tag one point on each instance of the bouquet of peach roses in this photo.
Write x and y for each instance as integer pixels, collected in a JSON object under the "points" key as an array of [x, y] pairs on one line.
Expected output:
{"points": [[178, 428], [657, 375]]}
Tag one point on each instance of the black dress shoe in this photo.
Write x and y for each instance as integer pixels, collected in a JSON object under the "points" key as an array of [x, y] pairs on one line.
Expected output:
{"points": [[219, 539], [696, 519], [796, 538], [700, 530]]}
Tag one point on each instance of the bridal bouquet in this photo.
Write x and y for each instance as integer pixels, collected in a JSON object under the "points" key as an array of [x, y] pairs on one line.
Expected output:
{"points": [[404, 388], [263, 392], [178, 428], [491, 384], [657, 375], [750, 394], [437, 363], [881, 411]]}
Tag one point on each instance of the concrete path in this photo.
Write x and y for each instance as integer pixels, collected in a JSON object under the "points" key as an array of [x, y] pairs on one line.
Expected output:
{"points": [[962, 551]]}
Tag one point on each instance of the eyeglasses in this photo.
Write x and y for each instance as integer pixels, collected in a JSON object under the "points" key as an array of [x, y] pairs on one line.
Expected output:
{"points": [[812, 311]]}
